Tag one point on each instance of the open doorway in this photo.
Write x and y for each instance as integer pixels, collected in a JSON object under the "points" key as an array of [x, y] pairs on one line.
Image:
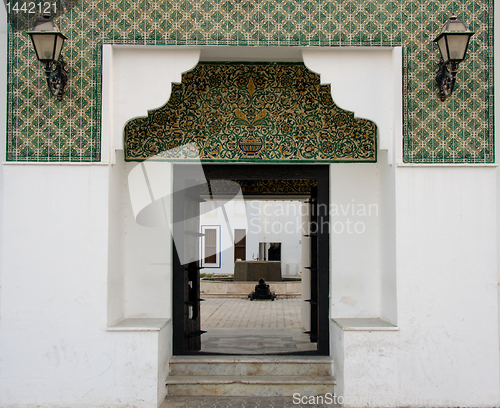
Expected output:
{"points": [[216, 326], [264, 241]]}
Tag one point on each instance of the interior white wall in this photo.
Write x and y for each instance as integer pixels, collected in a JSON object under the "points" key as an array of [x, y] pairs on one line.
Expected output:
{"points": [[281, 221], [253, 234], [237, 219], [354, 240], [264, 221]]}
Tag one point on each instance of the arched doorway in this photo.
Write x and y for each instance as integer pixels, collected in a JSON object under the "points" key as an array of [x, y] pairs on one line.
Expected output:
{"points": [[249, 113]]}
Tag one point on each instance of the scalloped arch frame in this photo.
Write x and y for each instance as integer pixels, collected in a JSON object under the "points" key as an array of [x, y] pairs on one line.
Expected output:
{"points": [[258, 112]]}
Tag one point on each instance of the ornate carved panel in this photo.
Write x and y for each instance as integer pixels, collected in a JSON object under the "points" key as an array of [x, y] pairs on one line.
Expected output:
{"points": [[252, 112]]}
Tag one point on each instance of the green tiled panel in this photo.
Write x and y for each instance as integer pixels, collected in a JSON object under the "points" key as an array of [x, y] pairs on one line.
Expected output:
{"points": [[456, 131]]}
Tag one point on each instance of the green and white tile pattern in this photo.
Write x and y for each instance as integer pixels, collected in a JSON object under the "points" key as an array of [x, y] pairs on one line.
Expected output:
{"points": [[460, 130]]}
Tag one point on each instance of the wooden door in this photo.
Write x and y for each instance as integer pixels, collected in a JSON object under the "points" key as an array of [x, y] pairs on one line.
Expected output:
{"points": [[313, 268], [186, 264]]}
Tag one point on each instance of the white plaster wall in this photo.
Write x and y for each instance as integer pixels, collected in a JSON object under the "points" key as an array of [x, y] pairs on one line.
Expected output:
{"points": [[253, 234], [337, 354], [54, 348], [354, 240], [140, 257], [447, 284], [137, 79], [140, 363], [438, 253], [445, 352], [164, 355], [68, 226], [237, 216], [369, 360], [147, 262]]}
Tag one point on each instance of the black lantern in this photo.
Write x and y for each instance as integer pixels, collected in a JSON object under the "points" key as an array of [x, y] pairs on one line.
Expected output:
{"points": [[452, 42], [48, 42]]}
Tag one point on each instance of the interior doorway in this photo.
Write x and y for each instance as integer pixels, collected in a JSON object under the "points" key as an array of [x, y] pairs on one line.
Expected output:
{"points": [[263, 240], [190, 335]]}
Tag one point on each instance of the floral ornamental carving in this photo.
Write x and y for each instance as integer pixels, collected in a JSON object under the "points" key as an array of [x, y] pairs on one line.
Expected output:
{"points": [[251, 112]]}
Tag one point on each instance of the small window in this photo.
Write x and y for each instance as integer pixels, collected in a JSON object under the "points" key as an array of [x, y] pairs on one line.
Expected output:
{"points": [[240, 245], [210, 246]]}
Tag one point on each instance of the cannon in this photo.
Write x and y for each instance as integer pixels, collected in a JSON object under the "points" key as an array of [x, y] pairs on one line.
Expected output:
{"points": [[262, 291]]}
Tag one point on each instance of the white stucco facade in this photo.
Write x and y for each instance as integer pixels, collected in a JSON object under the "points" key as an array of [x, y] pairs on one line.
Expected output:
{"points": [[85, 292]]}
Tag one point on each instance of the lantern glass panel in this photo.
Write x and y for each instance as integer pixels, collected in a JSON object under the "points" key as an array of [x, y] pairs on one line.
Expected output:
{"points": [[58, 47], [44, 46], [443, 48], [457, 46]]}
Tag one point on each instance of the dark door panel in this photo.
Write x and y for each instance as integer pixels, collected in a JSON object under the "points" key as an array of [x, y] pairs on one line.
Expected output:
{"points": [[186, 264], [186, 302]]}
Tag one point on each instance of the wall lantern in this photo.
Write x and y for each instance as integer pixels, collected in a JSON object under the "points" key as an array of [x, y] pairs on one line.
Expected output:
{"points": [[48, 42], [452, 42]]}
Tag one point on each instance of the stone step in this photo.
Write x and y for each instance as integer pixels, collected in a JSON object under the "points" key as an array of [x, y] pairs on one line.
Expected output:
{"points": [[250, 365], [249, 385], [263, 376]]}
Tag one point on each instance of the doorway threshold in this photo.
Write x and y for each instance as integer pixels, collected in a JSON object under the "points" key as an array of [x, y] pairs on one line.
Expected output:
{"points": [[255, 341]]}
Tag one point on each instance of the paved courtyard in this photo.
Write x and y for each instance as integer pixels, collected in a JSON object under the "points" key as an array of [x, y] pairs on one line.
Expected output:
{"points": [[241, 326], [236, 313]]}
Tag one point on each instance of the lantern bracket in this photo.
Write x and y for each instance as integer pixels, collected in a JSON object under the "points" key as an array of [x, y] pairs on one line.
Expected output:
{"points": [[57, 77], [445, 78]]}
